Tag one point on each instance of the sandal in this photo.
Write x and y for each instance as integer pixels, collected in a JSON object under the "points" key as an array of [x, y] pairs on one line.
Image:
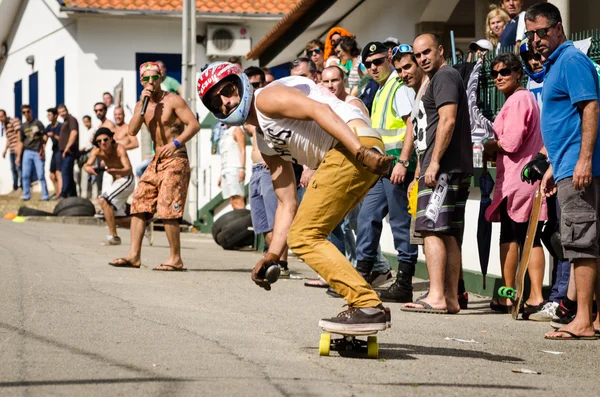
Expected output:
{"points": [[169, 268], [123, 262]]}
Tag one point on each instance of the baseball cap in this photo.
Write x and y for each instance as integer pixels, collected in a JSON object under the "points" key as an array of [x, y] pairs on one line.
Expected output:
{"points": [[374, 47], [482, 43], [392, 40]]}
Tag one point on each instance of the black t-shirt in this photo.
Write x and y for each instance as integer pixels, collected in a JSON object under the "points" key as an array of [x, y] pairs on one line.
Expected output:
{"points": [[446, 87], [56, 132], [32, 135]]}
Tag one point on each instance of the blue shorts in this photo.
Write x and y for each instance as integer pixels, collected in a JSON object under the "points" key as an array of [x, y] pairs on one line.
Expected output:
{"points": [[263, 201]]}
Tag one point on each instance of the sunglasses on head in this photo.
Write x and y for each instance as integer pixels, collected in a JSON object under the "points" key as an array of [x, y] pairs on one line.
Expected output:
{"points": [[146, 79], [504, 72], [376, 62], [227, 91], [103, 140], [402, 49], [541, 33], [309, 53]]}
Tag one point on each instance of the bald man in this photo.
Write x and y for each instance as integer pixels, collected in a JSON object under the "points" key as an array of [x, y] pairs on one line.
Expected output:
{"points": [[442, 137]]}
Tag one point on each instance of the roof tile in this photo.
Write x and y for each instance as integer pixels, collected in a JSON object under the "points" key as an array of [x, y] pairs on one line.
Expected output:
{"points": [[229, 6]]}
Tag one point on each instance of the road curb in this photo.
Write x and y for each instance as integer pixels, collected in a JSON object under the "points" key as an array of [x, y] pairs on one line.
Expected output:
{"points": [[71, 220]]}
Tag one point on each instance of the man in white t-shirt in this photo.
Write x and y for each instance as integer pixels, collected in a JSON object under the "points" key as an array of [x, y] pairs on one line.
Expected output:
{"points": [[300, 122]]}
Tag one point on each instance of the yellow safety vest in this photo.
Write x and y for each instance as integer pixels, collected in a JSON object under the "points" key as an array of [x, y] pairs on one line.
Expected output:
{"points": [[391, 127]]}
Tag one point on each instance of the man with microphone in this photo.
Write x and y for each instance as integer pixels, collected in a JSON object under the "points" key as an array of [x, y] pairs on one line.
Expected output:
{"points": [[162, 189]]}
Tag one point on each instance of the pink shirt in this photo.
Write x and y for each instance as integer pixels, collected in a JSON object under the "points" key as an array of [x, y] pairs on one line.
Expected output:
{"points": [[517, 127]]}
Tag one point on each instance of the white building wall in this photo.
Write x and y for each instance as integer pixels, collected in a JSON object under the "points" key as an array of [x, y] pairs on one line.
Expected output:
{"points": [[43, 34]]}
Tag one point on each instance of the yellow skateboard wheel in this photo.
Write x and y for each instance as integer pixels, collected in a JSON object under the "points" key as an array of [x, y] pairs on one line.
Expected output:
{"points": [[324, 344], [372, 347], [18, 219]]}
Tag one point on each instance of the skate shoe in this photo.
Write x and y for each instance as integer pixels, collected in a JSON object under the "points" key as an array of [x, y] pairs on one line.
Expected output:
{"points": [[357, 319]]}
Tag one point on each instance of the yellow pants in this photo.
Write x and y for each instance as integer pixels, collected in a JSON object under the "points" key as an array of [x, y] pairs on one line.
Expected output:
{"points": [[338, 185]]}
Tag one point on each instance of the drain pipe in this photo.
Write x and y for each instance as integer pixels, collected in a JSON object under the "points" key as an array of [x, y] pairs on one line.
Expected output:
{"points": [[189, 95]]}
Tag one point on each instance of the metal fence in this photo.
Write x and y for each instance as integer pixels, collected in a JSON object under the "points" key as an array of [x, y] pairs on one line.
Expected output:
{"points": [[491, 99]]}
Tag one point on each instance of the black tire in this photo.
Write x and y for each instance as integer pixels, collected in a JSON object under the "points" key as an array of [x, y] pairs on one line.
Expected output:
{"points": [[226, 219], [25, 211], [77, 210], [236, 234], [85, 207], [233, 230]]}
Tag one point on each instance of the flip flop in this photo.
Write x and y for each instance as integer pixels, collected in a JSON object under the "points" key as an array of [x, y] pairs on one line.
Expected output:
{"points": [[124, 263], [317, 283], [572, 336], [427, 308], [169, 268]]}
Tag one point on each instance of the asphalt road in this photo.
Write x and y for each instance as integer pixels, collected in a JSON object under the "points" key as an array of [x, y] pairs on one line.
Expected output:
{"points": [[72, 325]]}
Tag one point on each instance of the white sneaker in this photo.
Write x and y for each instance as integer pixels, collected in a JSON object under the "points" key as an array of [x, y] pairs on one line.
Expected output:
{"points": [[112, 240], [547, 312], [149, 233]]}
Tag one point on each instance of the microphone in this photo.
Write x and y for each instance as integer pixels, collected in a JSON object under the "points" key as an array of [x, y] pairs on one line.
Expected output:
{"points": [[145, 105]]}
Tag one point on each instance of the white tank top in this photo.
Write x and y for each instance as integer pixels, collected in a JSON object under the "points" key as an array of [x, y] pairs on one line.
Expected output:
{"points": [[230, 151], [301, 141]]}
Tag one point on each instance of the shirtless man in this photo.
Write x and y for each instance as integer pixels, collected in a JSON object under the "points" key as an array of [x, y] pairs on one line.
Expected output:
{"points": [[121, 130], [100, 110], [334, 80], [113, 199], [162, 189], [297, 122]]}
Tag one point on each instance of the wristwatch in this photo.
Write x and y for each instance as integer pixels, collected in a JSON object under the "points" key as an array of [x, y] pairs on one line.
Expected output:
{"points": [[405, 163]]}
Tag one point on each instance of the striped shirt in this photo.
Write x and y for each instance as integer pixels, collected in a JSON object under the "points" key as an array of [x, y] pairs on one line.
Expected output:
{"points": [[12, 135]]}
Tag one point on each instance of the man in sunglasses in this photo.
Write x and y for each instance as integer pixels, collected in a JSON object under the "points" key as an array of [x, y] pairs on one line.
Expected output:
{"points": [[390, 113], [299, 122], [100, 111], [113, 199], [33, 144], [162, 189], [569, 123], [442, 133]]}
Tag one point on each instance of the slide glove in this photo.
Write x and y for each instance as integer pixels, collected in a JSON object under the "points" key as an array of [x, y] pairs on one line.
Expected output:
{"points": [[374, 161], [266, 271], [535, 169]]}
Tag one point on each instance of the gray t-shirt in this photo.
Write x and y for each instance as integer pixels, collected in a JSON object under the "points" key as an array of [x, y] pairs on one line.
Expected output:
{"points": [[32, 135], [446, 87]]}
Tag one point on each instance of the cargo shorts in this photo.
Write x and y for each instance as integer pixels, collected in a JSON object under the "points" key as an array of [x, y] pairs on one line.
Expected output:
{"points": [[579, 223]]}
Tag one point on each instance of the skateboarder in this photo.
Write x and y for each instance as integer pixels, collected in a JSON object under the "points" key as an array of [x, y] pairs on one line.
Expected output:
{"points": [[300, 122]]}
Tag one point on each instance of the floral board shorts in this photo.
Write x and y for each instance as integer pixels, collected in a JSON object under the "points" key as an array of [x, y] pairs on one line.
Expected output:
{"points": [[163, 187]]}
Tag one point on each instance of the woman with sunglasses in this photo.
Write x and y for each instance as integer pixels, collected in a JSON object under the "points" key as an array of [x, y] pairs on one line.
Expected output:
{"points": [[518, 139], [314, 51]]}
